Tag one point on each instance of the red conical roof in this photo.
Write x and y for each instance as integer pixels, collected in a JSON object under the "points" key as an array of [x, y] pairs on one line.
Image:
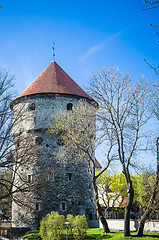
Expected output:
{"points": [[54, 80]]}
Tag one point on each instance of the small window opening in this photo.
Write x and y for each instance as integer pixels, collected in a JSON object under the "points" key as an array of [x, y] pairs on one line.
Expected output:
{"points": [[38, 140], [51, 177], [69, 106], [63, 206], [90, 216], [89, 186], [69, 176], [32, 106], [30, 178], [60, 142], [18, 143], [37, 206], [35, 120]]}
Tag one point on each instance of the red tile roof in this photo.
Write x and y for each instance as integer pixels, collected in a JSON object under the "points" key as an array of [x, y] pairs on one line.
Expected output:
{"points": [[54, 80], [97, 164], [124, 202]]}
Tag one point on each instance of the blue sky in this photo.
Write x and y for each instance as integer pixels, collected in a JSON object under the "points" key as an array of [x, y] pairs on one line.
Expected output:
{"points": [[87, 34]]}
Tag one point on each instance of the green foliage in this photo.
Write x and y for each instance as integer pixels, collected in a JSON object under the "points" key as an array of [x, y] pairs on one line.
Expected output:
{"points": [[70, 219], [115, 182], [145, 186], [52, 226], [79, 227]]}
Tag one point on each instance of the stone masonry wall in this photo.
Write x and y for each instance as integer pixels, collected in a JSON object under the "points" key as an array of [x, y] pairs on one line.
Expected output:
{"points": [[52, 187]]}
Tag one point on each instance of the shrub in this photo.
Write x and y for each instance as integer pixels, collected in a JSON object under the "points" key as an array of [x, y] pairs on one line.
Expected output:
{"points": [[70, 219], [52, 226], [79, 227]]}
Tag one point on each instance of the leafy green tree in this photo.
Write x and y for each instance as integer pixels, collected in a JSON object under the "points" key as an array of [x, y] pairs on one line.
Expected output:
{"points": [[112, 188]]}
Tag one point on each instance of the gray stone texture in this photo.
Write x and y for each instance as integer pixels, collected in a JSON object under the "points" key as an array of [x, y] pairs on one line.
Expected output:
{"points": [[51, 186]]}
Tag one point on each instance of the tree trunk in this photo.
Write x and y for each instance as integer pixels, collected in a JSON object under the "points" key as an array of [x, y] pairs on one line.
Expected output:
{"points": [[99, 210], [148, 209], [142, 224], [128, 209]]}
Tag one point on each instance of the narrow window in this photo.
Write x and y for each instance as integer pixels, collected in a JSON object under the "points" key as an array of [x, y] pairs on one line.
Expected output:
{"points": [[35, 120], [17, 143], [63, 206], [69, 176], [30, 178], [37, 206], [38, 140], [90, 216], [60, 142], [69, 106], [32, 106], [51, 177]]}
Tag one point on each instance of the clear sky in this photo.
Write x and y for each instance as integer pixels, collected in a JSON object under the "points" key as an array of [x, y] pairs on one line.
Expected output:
{"points": [[87, 34]]}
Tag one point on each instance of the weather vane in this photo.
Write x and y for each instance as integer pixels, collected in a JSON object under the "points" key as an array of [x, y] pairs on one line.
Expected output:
{"points": [[53, 48]]}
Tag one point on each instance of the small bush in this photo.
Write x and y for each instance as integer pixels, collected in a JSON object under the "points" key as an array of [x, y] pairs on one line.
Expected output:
{"points": [[52, 226], [70, 219], [79, 227]]}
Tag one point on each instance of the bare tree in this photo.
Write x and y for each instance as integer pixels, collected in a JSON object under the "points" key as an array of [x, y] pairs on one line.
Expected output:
{"points": [[16, 148], [151, 202], [152, 5], [6, 96], [124, 111], [76, 131]]}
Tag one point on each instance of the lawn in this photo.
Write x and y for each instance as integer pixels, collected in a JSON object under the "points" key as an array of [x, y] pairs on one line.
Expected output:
{"points": [[96, 234]]}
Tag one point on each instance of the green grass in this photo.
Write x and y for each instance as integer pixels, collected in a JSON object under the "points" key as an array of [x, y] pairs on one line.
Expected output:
{"points": [[95, 234]]}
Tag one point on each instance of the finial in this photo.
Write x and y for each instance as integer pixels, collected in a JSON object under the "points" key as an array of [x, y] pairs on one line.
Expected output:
{"points": [[53, 48]]}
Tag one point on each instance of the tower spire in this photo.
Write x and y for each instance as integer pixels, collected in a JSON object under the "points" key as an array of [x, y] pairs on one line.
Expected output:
{"points": [[53, 48]]}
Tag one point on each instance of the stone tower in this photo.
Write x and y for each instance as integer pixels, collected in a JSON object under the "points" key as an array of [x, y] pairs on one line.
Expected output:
{"points": [[48, 186]]}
